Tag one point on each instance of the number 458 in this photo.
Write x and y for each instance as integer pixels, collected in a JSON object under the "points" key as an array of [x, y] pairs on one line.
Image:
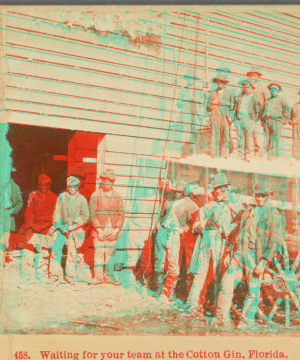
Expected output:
{"points": [[21, 355]]}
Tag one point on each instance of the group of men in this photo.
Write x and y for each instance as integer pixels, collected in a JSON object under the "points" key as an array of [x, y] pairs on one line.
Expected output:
{"points": [[221, 236], [53, 224], [224, 239], [257, 114]]}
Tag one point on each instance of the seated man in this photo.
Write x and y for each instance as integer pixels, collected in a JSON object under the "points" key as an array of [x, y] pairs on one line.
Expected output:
{"points": [[38, 220], [70, 215]]}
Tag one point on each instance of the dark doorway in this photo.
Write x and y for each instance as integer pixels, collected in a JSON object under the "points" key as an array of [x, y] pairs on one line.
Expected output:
{"points": [[38, 150]]}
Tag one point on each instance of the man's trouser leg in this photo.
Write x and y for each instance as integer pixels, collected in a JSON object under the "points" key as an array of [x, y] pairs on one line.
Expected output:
{"points": [[174, 262], [226, 136], [199, 279], [258, 139], [27, 268], [215, 135], [188, 244], [55, 268], [240, 135], [252, 299], [160, 253], [248, 130], [99, 257], [268, 130], [278, 136], [71, 261], [109, 258], [226, 292], [44, 257]]}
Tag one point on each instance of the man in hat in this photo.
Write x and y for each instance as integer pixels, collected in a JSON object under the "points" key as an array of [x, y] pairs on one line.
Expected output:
{"points": [[260, 238], [295, 121], [38, 221], [79, 171], [247, 110], [12, 202], [183, 130], [181, 240], [70, 215], [275, 110], [212, 246], [106, 218], [219, 104], [261, 92]]}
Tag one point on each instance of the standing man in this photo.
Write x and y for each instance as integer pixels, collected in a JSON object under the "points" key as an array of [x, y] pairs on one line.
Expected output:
{"points": [[70, 215], [295, 121], [219, 104], [275, 110], [261, 233], [13, 203], [212, 246], [38, 221], [181, 240], [247, 111], [106, 219], [261, 92]]}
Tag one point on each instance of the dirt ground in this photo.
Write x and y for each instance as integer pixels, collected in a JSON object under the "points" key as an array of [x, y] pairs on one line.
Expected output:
{"points": [[104, 309]]}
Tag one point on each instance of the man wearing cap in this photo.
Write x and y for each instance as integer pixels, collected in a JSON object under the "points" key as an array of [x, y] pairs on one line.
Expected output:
{"points": [[295, 121], [181, 240], [219, 104], [106, 218], [274, 111], [260, 237], [261, 92], [70, 215], [212, 246], [38, 221], [79, 171], [247, 110], [161, 234]]}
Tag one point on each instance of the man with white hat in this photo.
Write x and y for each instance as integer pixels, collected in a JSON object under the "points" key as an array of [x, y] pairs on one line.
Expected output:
{"points": [[219, 104], [38, 221], [70, 215], [275, 110], [295, 121], [212, 246], [247, 111], [181, 240], [106, 218]]}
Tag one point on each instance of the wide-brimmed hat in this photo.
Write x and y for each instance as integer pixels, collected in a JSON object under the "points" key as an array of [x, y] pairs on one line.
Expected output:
{"points": [[44, 179], [72, 181], [246, 80], [108, 174], [254, 70], [224, 66], [220, 78], [275, 84], [190, 74]]}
